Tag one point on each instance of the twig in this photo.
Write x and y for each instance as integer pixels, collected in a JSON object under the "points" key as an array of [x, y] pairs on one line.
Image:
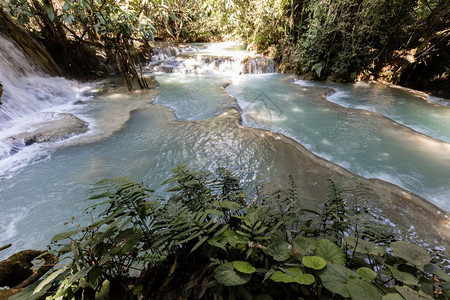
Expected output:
{"points": [[5, 247]]}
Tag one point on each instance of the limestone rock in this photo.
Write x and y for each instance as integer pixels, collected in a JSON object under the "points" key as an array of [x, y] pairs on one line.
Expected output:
{"points": [[65, 126]]}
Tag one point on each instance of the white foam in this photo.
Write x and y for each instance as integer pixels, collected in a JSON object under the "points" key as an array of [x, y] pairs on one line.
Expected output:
{"points": [[27, 95], [305, 83], [8, 224]]}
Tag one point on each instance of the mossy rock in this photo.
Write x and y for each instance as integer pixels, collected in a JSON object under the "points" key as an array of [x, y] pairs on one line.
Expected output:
{"points": [[16, 271], [17, 267]]}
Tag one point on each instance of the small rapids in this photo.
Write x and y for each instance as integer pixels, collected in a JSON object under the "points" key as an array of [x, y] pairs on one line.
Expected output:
{"points": [[200, 60]]}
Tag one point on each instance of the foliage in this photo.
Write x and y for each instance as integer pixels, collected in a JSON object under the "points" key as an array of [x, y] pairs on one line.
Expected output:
{"points": [[340, 40], [271, 248], [110, 26]]}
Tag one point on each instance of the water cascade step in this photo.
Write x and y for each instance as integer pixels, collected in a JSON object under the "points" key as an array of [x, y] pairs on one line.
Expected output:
{"points": [[198, 61], [27, 94]]}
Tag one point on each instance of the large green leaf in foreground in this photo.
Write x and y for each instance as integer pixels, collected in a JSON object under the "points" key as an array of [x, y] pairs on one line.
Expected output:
{"points": [[227, 275]]}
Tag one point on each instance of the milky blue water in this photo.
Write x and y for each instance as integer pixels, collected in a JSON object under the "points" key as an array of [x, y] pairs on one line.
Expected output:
{"points": [[365, 143], [48, 185]]}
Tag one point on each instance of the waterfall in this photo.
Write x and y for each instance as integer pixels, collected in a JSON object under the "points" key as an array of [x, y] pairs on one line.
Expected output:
{"points": [[202, 61], [26, 90], [258, 65], [30, 98]]}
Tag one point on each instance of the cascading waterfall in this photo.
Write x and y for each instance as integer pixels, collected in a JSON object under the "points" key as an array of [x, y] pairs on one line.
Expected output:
{"points": [[27, 94], [199, 61], [25, 89], [258, 65]]}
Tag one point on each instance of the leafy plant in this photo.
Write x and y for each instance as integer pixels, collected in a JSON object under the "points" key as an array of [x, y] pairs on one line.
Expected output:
{"points": [[205, 242]]}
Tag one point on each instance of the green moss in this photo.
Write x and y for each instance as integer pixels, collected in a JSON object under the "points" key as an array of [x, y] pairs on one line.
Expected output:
{"points": [[17, 267]]}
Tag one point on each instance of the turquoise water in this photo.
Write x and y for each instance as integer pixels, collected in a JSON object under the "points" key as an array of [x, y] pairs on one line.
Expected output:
{"points": [[45, 188], [193, 97], [38, 198], [399, 105], [362, 142]]}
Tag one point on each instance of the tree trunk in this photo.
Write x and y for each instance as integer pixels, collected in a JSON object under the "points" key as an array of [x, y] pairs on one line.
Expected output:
{"points": [[28, 44]]}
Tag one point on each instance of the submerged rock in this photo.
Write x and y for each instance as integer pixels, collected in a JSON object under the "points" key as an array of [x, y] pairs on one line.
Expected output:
{"points": [[65, 126]]}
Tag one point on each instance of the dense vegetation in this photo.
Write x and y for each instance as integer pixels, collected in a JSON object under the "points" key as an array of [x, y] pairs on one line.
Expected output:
{"points": [[403, 41], [207, 240]]}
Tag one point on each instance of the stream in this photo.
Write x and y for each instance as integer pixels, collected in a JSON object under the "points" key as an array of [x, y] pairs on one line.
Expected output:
{"points": [[194, 118]]}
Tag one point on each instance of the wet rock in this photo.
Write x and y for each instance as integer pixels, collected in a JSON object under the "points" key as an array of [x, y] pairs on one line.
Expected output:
{"points": [[152, 82], [65, 126]]}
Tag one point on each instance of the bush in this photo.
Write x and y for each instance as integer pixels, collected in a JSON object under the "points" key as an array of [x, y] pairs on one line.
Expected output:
{"points": [[207, 240]]}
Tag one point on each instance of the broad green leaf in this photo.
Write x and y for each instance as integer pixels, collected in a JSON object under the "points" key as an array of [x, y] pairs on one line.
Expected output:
{"points": [[64, 235], [228, 276], [278, 250], [48, 279], [234, 239], [362, 290], [27, 293], [132, 241], [410, 294], [66, 6], [78, 275], [221, 230], [292, 275], [413, 254], [191, 183], [363, 246], [403, 276], [330, 252], [304, 245], [392, 296], [243, 266], [103, 293], [335, 278], [50, 13], [446, 288], [314, 262], [366, 273], [94, 276], [433, 269]]}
